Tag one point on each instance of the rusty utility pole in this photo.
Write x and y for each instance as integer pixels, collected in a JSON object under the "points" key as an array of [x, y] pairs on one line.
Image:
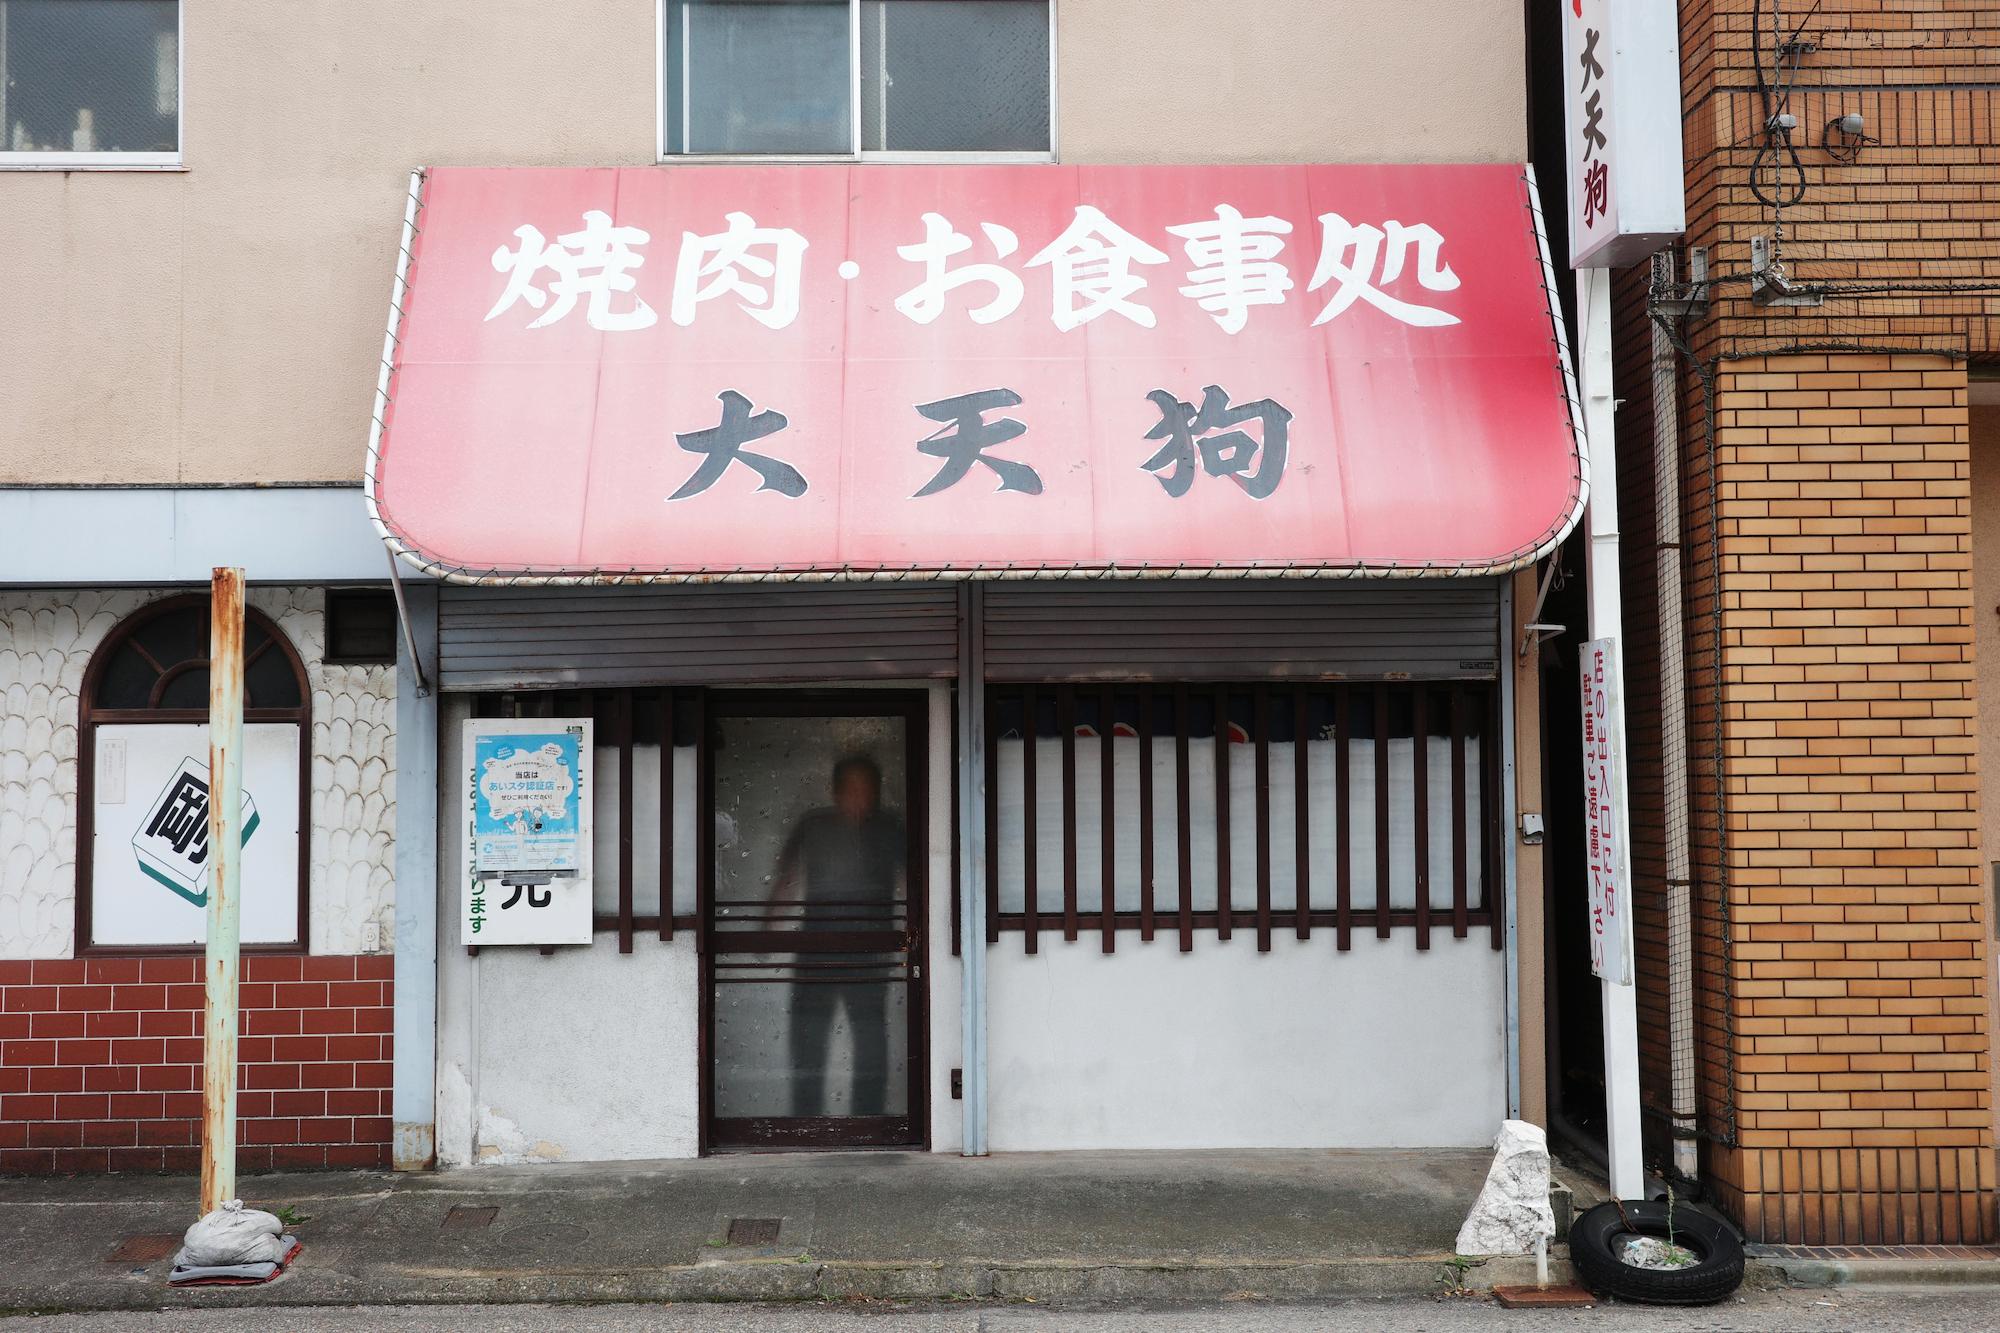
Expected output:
{"points": [[225, 872]]}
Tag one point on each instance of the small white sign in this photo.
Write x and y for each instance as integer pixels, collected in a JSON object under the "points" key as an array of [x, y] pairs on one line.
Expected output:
{"points": [[1605, 818], [150, 855], [172, 840], [527, 831], [1622, 115]]}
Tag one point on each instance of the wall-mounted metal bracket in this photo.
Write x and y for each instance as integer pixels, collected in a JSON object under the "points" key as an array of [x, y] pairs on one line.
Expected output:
{"points": [[1768, 283], [1535, 631], [1692, 305]]}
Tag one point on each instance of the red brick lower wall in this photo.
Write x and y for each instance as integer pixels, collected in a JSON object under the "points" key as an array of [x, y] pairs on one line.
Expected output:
{"points": [[100, 1063]]}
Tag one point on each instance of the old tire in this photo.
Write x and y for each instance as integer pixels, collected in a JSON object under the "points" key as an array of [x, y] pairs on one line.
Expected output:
{"points": [[1597, 1238]]}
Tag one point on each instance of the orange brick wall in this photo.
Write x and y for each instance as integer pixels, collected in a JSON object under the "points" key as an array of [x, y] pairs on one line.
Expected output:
{"points": [[1859, 954], [1846, 1083]]}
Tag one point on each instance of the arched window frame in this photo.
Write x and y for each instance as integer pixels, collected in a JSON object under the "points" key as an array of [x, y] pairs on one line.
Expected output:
{"points": [[90, 716]]}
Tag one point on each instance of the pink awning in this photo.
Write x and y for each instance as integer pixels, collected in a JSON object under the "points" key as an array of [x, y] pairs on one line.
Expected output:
{"points": [[714, 371]]}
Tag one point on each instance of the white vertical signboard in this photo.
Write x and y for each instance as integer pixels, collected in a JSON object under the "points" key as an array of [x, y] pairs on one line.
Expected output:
{"points": [[528, 827], [1622, 113], [1604, 815]]}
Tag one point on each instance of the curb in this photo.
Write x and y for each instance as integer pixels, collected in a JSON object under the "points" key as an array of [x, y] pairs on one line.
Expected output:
{"points": [[1882, 1272], [792, 1280]]}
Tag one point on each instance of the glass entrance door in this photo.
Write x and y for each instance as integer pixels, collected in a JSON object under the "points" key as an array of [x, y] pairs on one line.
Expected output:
{"points": [[814, 920]]}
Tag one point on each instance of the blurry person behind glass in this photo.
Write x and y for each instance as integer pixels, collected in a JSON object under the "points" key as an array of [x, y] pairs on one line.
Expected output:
{"points": [[843, 866]]}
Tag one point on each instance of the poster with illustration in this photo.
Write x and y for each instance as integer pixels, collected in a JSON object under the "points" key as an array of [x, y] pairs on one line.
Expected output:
{"points": [[528, 835]]}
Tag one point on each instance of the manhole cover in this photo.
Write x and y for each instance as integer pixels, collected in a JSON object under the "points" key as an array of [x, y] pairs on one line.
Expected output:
{"points": [[146, 1248], [539, 1234], [753, 1231], [462, 1218]]}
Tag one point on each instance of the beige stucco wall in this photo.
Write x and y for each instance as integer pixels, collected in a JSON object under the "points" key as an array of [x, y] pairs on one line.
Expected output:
{"points": [[1292, 81], [223, 323]]}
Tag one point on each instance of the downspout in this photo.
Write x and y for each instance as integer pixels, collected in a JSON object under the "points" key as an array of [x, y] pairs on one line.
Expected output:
{"points": [[1673, 734], [1510, 885]]}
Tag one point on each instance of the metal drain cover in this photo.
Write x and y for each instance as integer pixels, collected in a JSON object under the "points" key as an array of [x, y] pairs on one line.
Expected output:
{"points": [[752, 1232], [463, 1218], [145, 1248]]}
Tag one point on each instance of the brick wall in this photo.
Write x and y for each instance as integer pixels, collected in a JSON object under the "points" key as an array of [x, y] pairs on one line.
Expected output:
{"points": [[1859, 951], [1845, 1072], [100, 1063]]}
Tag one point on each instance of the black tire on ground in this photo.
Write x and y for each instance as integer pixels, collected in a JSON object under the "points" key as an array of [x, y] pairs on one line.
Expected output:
{"points": [[1596, 1237]]}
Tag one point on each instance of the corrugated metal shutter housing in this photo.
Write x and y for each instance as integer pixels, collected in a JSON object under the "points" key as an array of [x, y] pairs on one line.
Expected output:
{"points": [[724, 634], [1244, 629], [710, 634]]}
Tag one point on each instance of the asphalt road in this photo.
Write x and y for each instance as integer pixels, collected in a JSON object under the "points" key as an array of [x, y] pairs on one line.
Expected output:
{"points": [[1846, 1311]]}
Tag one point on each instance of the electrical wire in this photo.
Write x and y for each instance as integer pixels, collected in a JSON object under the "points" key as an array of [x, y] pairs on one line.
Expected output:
{"points": [[1778, 154]]}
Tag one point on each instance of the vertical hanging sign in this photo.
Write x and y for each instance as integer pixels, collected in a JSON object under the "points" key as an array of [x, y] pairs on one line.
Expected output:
{"points": [[1622, 112], [528, 831], [1604, 817]]}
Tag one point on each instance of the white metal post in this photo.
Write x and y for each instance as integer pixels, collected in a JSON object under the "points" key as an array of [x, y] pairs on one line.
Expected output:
{"points": [[225, 868], [973, 833], [1621, 1008]]}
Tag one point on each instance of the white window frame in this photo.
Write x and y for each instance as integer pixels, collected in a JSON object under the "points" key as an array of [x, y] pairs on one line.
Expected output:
{"points": [[11, 160], [855, 152]]}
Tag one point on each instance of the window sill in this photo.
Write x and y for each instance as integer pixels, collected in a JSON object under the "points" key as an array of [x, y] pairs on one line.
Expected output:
{"points": [[853, 160], [91, 162]]}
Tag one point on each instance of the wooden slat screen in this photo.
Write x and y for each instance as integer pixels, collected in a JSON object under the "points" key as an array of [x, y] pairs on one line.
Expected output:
{"points": [[1186, 802]]}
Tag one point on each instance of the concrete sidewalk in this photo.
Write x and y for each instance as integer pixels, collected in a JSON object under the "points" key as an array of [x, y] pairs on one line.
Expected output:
{"points": [[1077, 1226]]}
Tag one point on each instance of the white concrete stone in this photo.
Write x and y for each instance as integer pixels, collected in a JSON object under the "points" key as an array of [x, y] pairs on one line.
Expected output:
{"points": [[1512, 1212]]}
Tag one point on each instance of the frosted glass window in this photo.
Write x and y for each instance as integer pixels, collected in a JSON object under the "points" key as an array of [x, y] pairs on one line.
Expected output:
{"points": [[955, 76], [787, 76], [758, 76], [90, 76]]}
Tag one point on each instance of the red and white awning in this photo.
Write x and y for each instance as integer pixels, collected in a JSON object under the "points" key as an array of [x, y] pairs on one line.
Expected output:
{"points": [[892, 371]]}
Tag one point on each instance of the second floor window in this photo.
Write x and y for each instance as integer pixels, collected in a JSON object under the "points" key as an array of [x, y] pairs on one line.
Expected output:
{"points": [[90, 82], [853, 77]]}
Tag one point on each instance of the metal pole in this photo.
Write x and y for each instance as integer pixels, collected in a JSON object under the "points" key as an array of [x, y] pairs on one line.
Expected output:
{"points": [[973, 833], [1510, 889], [1621, 1007], [1673, 734], [225, 869], [414, 1100]]}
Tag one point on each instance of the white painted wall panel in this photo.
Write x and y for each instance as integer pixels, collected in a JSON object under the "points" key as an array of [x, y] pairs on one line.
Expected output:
{"points": [[1303, 1047], [587, 1054]]}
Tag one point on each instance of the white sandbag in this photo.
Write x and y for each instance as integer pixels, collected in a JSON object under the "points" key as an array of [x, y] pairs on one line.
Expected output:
{"points": [[1513, 1211], [233, 1234]]}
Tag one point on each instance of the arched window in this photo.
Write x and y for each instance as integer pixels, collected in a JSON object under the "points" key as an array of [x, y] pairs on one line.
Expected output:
{"points": [[142, 784]]}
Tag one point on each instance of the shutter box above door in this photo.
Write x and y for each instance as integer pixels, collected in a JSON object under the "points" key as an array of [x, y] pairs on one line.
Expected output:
{"points": [[696, 634], [1244, 629]]}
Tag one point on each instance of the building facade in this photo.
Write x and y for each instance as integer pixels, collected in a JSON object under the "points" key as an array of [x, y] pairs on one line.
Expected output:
{"points": [[229, 237], [199, 376]]}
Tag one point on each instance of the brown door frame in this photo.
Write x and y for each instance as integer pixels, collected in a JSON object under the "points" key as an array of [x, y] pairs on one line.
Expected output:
{"points": [[913, 707]]}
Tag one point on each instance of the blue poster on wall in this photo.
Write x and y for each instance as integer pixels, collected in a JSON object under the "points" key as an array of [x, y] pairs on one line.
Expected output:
{"points": [[527, 803]]}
